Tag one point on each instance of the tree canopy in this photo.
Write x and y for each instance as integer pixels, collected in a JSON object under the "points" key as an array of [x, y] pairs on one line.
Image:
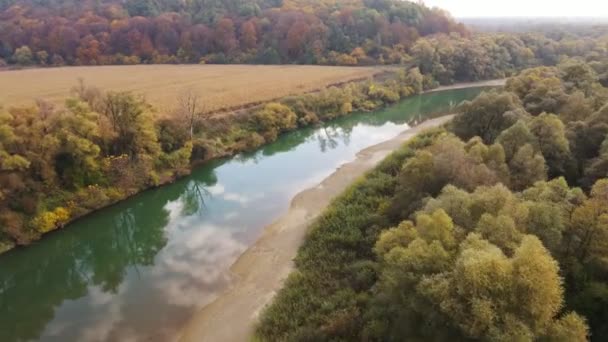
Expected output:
{"points": [[492, 229]]}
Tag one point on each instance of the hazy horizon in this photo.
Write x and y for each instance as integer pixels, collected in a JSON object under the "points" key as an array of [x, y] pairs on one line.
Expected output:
{"points": [[522, 8]]}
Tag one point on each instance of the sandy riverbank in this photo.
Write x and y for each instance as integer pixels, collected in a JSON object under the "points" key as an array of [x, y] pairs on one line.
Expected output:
{"points": [[261, 270], [491, 83]]}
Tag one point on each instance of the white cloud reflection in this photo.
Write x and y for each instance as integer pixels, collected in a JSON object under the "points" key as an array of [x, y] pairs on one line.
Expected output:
{"points": [[193, 268], [219, 191]]}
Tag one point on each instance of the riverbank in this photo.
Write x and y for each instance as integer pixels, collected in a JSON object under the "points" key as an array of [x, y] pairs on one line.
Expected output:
{"points": [[490, 83], [261, 270], [219, 136], [225, 136]]}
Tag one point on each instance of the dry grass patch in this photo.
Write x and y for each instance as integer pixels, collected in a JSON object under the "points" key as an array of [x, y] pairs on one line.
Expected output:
{"points": [[220, 86]]}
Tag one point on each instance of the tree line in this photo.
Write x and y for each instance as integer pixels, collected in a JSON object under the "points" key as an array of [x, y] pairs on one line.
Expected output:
{"points": [[493, 228], [369, 32], [213, 31]]}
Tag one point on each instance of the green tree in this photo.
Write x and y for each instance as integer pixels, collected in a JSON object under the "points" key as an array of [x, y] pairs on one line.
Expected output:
{"points": [[486, 116], [415, 80], [527, 167], [77, 159], [23, 56], [540, 89], [273, 119], [551, 135], [578, 76], [577, 108], [515, 137], [588, 230], [132, 125]]}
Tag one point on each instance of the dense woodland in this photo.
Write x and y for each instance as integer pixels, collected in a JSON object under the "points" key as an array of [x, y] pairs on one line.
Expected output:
{"points": [[494, 228], [352, 32]]}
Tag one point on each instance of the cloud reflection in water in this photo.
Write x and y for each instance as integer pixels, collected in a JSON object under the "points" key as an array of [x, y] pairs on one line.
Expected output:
{"points": [[193, 267]]}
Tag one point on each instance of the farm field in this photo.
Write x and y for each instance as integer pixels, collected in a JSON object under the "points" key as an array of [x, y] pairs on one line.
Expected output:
{"points": [[220, 86]]}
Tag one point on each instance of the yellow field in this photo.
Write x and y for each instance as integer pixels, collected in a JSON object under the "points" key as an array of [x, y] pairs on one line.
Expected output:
{"points": [[219, 86]]}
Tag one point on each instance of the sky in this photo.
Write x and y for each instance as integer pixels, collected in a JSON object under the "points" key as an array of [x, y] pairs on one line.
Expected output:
{"points": [[523, 8]]}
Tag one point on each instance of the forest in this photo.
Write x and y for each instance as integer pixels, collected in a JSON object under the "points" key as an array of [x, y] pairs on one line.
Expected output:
{"points": [[492, 228], [353, 32]]}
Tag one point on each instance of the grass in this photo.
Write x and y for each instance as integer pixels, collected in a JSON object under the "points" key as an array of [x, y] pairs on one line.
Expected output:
{"points": [[220, 86]]}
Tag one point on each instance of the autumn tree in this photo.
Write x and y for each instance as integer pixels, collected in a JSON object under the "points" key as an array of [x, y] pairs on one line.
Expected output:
{"points": [[248, 35], [552, 141], [225, 36], [131, 124], [468, 288], [487, 116]]}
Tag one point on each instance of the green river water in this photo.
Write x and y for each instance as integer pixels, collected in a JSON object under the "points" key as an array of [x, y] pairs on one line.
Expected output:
{"points": [[138, 270]]}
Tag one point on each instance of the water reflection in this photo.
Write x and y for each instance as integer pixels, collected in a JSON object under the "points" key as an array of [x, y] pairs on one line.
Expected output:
{"points": [[211, 248], [137, 271]]}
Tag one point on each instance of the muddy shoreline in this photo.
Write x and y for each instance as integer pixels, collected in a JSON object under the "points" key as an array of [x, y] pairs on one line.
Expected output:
{"points": [[260, 272]]}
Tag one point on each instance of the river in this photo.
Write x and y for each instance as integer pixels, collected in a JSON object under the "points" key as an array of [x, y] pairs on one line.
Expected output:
{"points": [[138, 270]]}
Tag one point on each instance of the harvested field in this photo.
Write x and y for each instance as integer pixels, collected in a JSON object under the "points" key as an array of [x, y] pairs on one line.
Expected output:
{"points": [[220, 86]]}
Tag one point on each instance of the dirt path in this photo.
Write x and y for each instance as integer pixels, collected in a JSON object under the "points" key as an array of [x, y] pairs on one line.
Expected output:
{"points": [[261, 270]]}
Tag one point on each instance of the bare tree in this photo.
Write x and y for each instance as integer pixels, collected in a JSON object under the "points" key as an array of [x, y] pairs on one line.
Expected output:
{"points": [[189, 107], [89, 94]]}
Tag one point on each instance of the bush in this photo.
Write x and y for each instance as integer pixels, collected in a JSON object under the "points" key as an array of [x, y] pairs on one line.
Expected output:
{"points": [[51, 220], [23, 56], [273, 119]]}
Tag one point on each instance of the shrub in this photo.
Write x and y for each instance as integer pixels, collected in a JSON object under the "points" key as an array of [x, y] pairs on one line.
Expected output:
{"points": [[51, 220], [273, 119]]}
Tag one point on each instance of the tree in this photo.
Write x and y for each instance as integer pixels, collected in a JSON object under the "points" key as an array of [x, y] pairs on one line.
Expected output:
{"points": [[77, 159], [249, 35], [578, 76], [547, 95], [515, 137], [570, 327], [190, 108], [424, 56], [471, 288], [42, 57], [551, 135], [577, 108], [487, 116], [273, 119], [296, 39], [132, 126], [588, 234], [596, 170], [225, 37], [540, 89], [23, 56], [447, 161], [89, 51], [527, 167], [415, 80]]}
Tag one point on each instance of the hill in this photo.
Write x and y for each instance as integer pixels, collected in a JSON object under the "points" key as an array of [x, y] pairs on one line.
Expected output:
{"points": [[352, 32]]}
